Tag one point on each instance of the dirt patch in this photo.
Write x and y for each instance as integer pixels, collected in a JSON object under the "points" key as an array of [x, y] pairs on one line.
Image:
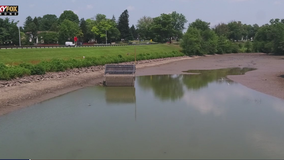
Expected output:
{"points": [[35, 61]]}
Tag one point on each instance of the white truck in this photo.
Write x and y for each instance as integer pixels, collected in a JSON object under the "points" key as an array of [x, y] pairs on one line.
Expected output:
{"points": [[69, 44]]}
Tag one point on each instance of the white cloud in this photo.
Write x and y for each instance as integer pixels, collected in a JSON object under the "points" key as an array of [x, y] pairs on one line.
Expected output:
{"points": [[130, 8], [89, 6], [214, 102], [203, 104]]}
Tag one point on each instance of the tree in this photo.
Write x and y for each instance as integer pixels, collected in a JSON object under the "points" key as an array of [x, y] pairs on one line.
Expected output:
{"points": [[69, 15], [106, 28], [84, 29], [178, 21], [248, 46], [223, 45], [172, 88], [199, 24], [162, 28], [101, 27], [143, 27], [253, 31], [36, 22], [89, 35], [31, 27], [222, 29], [28, 20], [123, 25], [278, 36], [113, 19], [262, 38], [68, 30], [100, 17], [49, 37], [236, 30], [48, 22], [270, 38], [191, 42], [199, 39], [209, 42], [8, 32], [133, 32]]}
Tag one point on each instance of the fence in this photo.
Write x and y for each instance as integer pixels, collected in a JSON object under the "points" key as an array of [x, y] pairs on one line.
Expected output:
{"points": [[63, 46]]}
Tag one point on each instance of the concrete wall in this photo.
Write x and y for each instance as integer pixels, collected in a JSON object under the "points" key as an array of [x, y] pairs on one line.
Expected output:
{"points": [[119, 80]]}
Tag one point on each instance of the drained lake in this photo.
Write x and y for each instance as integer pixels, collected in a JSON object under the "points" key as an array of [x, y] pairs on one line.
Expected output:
{"points": [[186, 116]]}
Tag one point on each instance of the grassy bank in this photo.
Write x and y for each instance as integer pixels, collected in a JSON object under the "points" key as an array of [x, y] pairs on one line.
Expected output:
{"points": [[20, 62], [17, 56]]}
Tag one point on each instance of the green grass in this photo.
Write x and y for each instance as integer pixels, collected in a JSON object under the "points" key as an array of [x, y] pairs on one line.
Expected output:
{"points": [[20, 62], [34, 56]]}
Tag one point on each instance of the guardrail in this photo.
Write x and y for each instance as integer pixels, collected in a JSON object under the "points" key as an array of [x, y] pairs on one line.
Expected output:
{"points": [[63, 46]]}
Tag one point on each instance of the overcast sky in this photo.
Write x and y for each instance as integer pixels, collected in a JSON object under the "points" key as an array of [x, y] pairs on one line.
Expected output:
{"points": [[213, 11]]}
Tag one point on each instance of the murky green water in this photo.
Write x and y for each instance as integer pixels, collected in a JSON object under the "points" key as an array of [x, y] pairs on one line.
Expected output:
{"points": [[166, 117]]}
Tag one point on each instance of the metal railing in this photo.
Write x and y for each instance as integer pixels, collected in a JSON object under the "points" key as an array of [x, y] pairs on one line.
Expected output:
{"points": [[120, 69]]}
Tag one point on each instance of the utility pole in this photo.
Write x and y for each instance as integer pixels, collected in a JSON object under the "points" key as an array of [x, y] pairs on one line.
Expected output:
{"points": [[19, 37]]}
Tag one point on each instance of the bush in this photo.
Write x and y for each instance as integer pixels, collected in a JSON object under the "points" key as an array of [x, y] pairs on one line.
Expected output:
{"points": [[35, 69], [13, 72], [249, 46], [235, 48], [2, 66], [49, 37], [57, 65]]}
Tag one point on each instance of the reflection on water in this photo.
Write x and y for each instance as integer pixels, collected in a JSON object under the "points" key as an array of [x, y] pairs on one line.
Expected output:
{"points": [[170, 87], [206, 76], [164, 87], [161, 118], [120, 95]]}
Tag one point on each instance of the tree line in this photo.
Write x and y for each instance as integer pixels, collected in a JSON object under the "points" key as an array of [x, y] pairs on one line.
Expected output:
{"points": [[199, 39], [233, 37]]}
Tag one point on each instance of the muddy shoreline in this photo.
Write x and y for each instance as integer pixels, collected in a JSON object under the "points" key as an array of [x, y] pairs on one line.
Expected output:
{"points": [[26, 91]]}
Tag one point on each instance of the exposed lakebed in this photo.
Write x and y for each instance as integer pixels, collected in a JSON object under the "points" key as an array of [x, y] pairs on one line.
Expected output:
{"points": [[202, 115]]}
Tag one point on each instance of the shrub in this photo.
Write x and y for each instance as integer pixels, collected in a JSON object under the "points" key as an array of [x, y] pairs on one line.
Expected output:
{"points": [[13, 72], [57, 65], [2, 66], [235, 48], [34, 69]]}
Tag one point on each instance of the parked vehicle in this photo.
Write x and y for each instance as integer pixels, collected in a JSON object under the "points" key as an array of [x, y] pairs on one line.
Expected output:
{"points": [[69, 44]]}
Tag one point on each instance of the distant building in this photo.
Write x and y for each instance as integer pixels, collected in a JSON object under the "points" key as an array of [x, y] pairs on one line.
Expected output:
{"points": [[37, 39]]}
